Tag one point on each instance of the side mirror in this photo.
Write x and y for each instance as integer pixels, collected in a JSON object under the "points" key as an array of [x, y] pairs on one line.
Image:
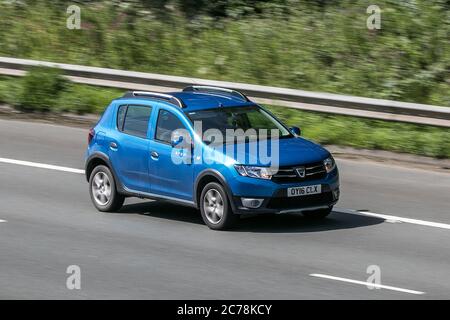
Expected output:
{"points": [[296, 130]]}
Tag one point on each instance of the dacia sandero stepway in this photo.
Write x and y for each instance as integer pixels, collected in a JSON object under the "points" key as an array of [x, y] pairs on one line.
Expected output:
{"points": [[159, 146]]}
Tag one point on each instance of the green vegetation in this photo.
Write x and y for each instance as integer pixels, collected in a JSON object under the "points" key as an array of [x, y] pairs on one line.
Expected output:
{"points": [[320, 45], [322, 128], [87, 99], [311, 45], [39, 89], [43, 90], [9, 91]]}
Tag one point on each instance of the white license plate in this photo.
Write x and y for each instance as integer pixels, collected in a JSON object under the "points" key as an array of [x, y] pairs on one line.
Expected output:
{"points": [[304, 191]]}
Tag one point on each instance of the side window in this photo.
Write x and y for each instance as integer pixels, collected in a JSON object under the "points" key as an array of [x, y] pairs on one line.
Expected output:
{"points": [[167, 123], [121, 117], [135, 120]]}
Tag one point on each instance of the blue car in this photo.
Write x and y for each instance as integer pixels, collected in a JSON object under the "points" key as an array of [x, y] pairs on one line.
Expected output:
{"points": [[209, 148]]}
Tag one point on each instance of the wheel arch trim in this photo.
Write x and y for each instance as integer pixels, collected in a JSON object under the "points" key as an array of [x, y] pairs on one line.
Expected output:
{"points": [[102, 156], [217, 175]]}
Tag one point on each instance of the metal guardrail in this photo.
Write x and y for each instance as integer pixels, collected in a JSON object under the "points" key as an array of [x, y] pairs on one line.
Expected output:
{"points": [[305, 100]]}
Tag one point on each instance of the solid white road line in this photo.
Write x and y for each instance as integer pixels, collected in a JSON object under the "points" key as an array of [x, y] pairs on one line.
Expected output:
{"points": [[396, 219], [41, 165], [2, 221], [369, 284]]}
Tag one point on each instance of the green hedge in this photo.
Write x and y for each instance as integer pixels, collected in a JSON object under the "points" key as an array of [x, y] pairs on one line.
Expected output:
{"points": [[40, 89]]}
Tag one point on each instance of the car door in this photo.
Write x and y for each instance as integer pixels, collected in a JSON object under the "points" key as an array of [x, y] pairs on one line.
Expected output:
{"points": [[129, 146], [171, 177]]}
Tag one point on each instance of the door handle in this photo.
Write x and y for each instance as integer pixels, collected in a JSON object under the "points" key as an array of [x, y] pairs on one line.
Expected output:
{"points": [[113, 145], [154, 155]]}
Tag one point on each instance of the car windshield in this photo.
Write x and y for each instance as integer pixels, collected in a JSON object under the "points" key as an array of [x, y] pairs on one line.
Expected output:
{"points": [[262, 125]]}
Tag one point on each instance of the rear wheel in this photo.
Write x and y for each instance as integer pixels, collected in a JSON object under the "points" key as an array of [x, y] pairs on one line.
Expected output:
{"points": [[317, 214], [215, 207], [103, 190]]}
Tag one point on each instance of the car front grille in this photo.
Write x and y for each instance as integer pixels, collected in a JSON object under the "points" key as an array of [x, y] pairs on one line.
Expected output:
{"points": [[313, 171]]}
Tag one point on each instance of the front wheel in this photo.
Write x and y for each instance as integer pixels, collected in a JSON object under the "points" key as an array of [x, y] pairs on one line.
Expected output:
{"points": [[317, 214], [103, 190], [215, 207]]}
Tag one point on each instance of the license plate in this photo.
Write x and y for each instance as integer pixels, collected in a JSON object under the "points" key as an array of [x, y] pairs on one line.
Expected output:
{"points": [[304, 191]]}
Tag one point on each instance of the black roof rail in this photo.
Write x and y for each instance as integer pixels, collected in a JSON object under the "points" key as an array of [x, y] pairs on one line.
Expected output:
{"points": [[156, 95], [195, 88]]}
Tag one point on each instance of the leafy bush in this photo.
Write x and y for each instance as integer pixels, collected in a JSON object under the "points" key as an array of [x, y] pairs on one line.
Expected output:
{"points": [[62, 97], [9, 90], [83, 99], [41, 88]]}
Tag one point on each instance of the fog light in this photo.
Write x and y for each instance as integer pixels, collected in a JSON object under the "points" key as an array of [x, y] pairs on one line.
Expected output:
{"points": [[336, 194], [252, 203]]}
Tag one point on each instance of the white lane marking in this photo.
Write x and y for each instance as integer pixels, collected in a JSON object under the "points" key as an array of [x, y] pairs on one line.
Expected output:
{"points": [[318, 275], [394, 219], [2, 221], [41, 165]]}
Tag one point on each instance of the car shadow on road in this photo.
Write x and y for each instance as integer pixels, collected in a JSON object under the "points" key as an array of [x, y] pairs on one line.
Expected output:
{"points": [[286, 223], [296, 223], [164, 210]]}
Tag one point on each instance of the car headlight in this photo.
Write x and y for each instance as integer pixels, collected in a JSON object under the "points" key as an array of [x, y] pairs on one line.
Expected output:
{"points": [[255, 172], [329, 164]]}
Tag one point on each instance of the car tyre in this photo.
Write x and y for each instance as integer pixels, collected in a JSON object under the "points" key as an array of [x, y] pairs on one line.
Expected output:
{"points": [[103, 191], [215, 207]]}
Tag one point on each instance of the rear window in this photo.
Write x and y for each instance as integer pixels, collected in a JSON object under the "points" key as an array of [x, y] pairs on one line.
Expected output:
{"points": [[134, 120]]}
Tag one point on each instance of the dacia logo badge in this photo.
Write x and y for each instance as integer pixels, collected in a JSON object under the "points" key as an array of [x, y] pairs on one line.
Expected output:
{"points": [[301, 171]]}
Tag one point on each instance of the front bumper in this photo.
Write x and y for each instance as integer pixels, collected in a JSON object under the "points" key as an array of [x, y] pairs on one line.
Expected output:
{"points": [[280, 203], [276, 200]]}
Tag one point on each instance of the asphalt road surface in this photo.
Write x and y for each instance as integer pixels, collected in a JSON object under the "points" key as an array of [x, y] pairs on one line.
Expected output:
{"points": [[153, 250]]}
